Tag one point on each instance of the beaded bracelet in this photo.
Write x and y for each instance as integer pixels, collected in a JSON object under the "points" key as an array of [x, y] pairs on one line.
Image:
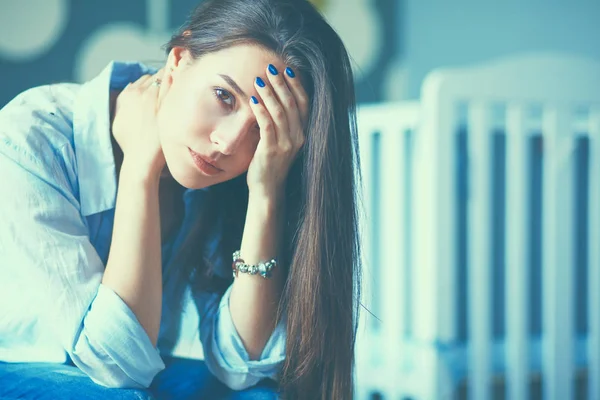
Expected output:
{"points": [[263, 269]]}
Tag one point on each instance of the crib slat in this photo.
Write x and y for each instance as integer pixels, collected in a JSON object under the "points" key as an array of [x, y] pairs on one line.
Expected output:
{"points": [[517, 253], [557, 254], [594, 258], [434, 252], [479, 252], [372, 356]]}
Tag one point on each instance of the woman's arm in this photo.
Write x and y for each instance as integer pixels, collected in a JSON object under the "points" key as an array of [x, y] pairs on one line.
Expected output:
{"points": [[281, 114], [254, 300], [133, 270], [134, 267]]}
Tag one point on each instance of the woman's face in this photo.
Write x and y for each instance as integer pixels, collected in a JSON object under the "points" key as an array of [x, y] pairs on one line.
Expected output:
{"points": [[204, 108]]}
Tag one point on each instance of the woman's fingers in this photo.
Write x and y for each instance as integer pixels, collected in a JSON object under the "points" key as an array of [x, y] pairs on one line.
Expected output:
{"points": [[164, 76], [293, 98], [141, 81], [287, 102], [265, 123], [295, 86], [148, 80], [277, 112]]}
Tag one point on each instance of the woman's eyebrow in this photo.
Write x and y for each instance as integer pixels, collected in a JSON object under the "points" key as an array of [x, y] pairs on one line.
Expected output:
{"points": [[234, 85]]}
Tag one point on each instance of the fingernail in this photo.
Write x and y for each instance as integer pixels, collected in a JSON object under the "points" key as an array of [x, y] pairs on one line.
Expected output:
{"points": [[272, 69], [260, 82], [254, 100], [290, 73]]}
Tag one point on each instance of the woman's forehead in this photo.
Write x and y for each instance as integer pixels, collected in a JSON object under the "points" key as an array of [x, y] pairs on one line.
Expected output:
{"points": [[241, 59]]}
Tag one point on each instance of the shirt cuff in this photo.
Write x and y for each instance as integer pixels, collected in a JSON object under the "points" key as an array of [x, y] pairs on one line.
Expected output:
{"points": [[231, 354], [118, 343]]}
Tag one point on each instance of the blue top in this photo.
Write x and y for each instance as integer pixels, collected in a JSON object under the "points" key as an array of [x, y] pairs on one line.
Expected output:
{"points": [[57, 200]]}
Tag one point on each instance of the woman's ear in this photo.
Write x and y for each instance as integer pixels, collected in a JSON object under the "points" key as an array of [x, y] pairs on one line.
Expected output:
{"points": [[177, 60], [178, 57]]}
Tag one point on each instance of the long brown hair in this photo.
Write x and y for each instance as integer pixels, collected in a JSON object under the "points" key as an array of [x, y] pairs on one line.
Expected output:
{"points": [[321, 246]]}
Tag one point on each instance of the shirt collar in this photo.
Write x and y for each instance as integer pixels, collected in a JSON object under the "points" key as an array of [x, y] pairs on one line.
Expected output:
{"points": [[92, 138]]}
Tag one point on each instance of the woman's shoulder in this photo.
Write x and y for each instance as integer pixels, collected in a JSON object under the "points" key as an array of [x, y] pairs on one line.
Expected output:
{"points": [[39, 121], [36, 132]]}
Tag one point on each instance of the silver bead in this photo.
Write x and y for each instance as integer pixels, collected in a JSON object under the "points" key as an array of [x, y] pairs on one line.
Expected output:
{"points": [[263, 268]]}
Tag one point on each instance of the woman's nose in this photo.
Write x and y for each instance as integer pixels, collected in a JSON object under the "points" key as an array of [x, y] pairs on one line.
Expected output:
{"points": [[228, 139]]}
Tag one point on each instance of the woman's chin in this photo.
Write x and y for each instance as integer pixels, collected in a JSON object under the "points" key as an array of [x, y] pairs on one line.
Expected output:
{"points": [[186, 178]]}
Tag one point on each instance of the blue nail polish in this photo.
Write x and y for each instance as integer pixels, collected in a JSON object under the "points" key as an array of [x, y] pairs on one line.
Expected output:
{"points": [[260, 82], [254, 100], [290, 73], [272, 69]]}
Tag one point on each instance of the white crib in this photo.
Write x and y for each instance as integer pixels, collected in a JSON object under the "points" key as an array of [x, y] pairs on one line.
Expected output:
{"points": [[484, 196]]}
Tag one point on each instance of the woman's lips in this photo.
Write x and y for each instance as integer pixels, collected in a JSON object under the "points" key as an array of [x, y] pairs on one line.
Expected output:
{"points": [[204, 165]]}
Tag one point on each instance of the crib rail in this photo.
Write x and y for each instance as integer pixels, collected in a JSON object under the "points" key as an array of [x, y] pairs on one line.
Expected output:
{"points": [[495, 170]]}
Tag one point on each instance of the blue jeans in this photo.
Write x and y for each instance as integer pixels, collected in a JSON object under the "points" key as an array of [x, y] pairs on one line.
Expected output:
{"points": [[182, 379]]}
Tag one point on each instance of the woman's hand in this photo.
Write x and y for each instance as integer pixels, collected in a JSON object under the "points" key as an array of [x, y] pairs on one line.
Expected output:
{"points": [[134, 126], [281, 113]]}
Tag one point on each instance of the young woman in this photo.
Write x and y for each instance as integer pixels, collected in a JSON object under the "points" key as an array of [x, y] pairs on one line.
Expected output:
{"points": [[223, 184]]}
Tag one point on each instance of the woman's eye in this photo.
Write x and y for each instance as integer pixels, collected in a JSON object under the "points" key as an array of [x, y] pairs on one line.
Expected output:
{"points": [[224, 96]]}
